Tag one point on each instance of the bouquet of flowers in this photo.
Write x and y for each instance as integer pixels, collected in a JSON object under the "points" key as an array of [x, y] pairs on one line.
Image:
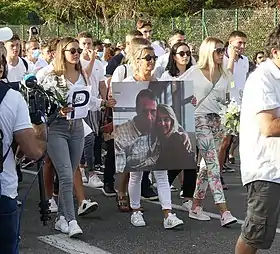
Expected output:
{"points": [[230, 116], [60, 91]]}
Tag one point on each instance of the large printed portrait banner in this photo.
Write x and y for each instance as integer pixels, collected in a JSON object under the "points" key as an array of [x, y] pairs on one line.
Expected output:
{"points": [[154, 127]]}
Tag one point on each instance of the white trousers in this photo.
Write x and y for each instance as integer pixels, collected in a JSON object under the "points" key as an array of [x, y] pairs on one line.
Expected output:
{"points": [[163, 188]]}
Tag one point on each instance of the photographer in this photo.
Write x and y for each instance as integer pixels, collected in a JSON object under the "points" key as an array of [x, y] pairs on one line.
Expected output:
{"points": [[15, 125]]}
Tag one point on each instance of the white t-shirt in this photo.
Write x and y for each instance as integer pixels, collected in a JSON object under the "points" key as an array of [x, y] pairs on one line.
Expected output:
{"points": [[35, 67], [240, 72], [42, 73], [14, 116], [167, 77], [260, 156], [96, 76], [202, 86], [16, 73], [119, 73], [159, 51]]}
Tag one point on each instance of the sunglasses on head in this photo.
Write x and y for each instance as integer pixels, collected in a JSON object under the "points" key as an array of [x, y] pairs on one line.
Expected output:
{"points": [[148, 58], [74, 51], [183, 53], [220, 50]]}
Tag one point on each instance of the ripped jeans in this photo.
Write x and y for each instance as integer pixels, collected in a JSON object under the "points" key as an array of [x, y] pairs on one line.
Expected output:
{"points": [[65, 148]]}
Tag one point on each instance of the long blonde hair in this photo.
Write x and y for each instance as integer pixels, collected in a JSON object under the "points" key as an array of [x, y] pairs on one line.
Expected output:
{"points": [[206, 58], [60, 61], [136, 48]]}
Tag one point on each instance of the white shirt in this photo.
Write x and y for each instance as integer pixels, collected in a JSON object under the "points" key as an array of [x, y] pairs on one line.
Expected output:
{"points": [[159, 51], [14, 117], [202, 86], [35, 67], [260, 156], [119, 73], [42, 73], [167, 77], [16, 73], [97, 75], [240, 72]]}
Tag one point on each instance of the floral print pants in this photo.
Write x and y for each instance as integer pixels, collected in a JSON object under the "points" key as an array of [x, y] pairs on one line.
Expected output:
{"points": [[209, 137]]}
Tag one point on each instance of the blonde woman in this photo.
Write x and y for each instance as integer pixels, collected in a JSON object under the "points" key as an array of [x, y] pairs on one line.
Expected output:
{"points": [[142, 59], [211, 82], [66, 137]]}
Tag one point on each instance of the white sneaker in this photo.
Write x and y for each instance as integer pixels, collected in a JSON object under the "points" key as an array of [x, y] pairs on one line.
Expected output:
{"points": [[137, 219], [87, 207], [187, 205], [53, 206], [198, 214], [227, 219], [61, 225], [74, 229], [84, 177], [95, 182], [172, 221], [181, 194]]}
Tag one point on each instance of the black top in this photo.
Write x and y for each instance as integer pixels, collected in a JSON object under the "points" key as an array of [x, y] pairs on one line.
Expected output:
{"points": [[174, 155], [113, 63]]}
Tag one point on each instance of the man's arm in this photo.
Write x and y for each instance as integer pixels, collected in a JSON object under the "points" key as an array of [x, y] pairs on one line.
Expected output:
{"points": [[269, 121], [103, 90], [120, 155]]}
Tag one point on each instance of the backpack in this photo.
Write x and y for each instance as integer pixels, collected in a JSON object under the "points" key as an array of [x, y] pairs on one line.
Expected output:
{"points": [[25, 63], [4, 88]]}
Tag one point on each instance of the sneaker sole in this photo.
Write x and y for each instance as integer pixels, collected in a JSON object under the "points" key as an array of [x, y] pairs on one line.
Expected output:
{"points": [[150, 198], [175, 226], [229, 223], [59, 229], [142, 225], [196, 218], [76, 235], [108, 194], [91, 209]]}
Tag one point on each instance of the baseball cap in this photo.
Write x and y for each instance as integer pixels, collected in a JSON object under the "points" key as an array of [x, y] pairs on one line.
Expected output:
{"points": [[5, 34]]}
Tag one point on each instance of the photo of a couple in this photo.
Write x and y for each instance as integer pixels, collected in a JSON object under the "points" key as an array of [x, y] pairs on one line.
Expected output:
{"points": [[147, 131]]}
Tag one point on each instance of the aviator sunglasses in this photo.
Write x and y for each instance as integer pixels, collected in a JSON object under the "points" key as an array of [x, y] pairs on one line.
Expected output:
{"points": [[220, 50], [74, 51]]}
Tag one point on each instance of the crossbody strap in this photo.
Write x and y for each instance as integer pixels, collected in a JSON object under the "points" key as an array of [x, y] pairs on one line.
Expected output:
{"points": [[203, 99]]}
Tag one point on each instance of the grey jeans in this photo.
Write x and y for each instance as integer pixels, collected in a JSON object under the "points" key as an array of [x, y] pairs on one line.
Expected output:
{"points": [[65, 147]]}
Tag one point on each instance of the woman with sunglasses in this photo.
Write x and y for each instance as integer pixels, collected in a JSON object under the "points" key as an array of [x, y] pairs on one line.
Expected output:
{"points": [[142, 59], [179, 62], [211, 84], [66, 137]]}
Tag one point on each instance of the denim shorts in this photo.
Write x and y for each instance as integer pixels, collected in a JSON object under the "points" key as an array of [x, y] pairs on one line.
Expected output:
{"points": [[262, 216]]}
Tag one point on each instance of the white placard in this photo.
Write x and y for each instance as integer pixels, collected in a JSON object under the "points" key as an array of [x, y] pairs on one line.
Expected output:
{"points": [[87, 129], [79, 97]]}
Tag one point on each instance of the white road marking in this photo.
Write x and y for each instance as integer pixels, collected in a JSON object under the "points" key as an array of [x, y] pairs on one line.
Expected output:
{"points": [[71, 246], [174, 206]]}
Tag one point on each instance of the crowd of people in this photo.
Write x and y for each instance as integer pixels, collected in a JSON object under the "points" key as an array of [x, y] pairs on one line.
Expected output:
{"points": [[218, 71]]}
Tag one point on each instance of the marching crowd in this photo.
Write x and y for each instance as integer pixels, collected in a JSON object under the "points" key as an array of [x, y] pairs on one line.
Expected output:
{"points": [[218, 71]]}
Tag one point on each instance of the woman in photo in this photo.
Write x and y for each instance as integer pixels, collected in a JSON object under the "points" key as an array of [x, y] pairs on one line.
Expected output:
{"points": [[211, 83]]}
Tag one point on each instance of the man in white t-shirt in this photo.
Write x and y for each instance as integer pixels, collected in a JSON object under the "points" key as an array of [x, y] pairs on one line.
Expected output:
{"points": [[145, 27], [35, 63], [95, 71], [14, 125], [260, 151], [17, 67]]}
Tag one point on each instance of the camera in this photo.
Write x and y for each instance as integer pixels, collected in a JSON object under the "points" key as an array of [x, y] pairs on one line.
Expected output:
{"points": [[38, 100], [33, 30]]}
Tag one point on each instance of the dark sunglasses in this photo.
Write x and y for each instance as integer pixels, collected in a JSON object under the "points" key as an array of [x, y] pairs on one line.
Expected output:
{"points": [[220, 50], [260, 57], [183, 53], [73, 51], [148, 58]]}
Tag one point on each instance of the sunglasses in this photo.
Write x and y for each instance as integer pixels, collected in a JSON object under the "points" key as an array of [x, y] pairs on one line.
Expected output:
{"points": [[73, 51], [260, 57], [183, 53], [148, 58], [220, 50]]}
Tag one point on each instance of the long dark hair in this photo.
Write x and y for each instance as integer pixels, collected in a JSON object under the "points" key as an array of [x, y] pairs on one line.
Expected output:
{"points": [[172, 66]]}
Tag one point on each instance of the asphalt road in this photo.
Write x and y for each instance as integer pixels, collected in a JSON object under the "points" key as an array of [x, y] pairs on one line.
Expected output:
{"points": [[109, 231]]}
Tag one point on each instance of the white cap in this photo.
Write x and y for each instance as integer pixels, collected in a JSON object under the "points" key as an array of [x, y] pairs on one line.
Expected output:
{"points": [[5, 34]]}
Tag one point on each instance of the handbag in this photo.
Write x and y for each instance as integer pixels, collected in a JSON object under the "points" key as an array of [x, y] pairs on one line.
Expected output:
{"points": [[107, 116]]}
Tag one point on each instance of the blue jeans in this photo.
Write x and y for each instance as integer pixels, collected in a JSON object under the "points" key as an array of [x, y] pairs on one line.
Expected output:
{"points": [[9, 218]]}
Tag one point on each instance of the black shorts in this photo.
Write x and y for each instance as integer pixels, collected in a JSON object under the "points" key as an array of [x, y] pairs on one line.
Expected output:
{"points": [[260, 224]]}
